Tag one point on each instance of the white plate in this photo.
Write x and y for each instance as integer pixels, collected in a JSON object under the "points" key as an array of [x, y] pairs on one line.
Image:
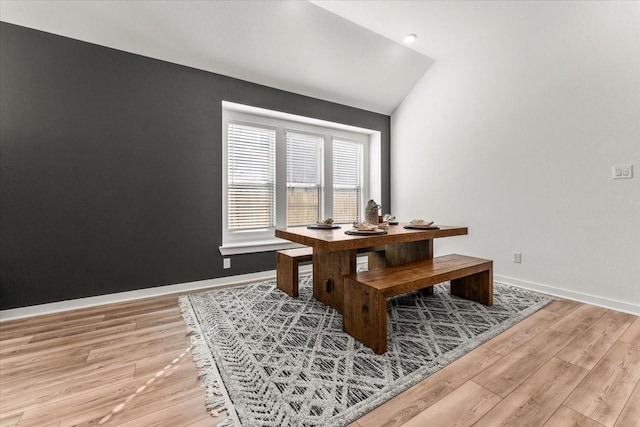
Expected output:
{"points": [[366, 232], [323, 226], [422, 227]]}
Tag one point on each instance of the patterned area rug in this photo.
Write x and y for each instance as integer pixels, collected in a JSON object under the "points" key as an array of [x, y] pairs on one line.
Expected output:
{"points": [[272, 360]]}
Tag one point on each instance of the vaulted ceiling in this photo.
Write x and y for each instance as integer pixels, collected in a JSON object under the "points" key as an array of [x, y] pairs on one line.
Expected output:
{"points": [[343, 51], [291, 45]]}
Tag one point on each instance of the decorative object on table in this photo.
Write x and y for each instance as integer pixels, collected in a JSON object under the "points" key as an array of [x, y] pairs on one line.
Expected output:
{"points": [[326, 223], [285, 361], [421, 224], [371, 212], [391, 219]]}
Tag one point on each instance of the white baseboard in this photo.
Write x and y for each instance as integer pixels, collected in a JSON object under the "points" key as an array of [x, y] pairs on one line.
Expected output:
{"points": [[57, 307], [622, 306]]}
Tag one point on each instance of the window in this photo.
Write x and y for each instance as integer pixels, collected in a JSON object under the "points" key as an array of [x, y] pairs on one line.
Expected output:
{"points": [[251, 181], [281, 170], [304, 178], [347, 181]]}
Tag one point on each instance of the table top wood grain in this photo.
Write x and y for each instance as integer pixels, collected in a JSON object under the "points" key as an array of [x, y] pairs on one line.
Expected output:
{"points": [[331, 240]]}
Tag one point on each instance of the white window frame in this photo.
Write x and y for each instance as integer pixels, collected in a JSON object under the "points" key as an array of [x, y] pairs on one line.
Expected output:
{"points": [[239, 242]]}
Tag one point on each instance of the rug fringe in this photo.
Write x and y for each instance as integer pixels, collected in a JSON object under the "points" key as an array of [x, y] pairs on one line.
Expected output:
{"points": [[227, 423], [216, 396]]}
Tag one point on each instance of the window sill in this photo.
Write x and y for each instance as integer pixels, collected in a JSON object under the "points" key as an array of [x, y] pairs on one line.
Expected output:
{"points": [[256, 246]]}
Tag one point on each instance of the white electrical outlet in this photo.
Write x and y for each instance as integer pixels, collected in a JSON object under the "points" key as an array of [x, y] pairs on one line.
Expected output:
{"points": [[622, 171], [516, 257], [226, 263]]}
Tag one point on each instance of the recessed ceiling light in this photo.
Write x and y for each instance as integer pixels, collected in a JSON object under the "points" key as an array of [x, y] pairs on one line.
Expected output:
{"points": [[409, 38]]}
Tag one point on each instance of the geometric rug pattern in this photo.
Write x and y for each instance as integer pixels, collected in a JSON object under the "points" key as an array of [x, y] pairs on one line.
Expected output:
{"points": [[272, 360]]}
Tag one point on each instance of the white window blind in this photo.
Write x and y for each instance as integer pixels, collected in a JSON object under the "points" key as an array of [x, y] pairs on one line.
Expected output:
{"points": [[304, 178], [347, 181], [251, 177]]}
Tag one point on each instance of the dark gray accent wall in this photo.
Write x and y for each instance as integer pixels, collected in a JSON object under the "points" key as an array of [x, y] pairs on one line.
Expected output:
{"points": [[110, 168]]}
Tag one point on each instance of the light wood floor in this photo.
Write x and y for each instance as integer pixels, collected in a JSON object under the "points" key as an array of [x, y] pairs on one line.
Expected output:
{"points": [[128, 364]]}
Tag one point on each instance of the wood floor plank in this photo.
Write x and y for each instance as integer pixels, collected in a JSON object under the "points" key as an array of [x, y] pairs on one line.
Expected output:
{"points": [[58, 375], [14, 344], [579, 320], [87, 337], [534, 401], [605, 391], [632, 334], [158, 318], [134, 311], [565, 417], [73, 332], [206, 421], [562, 307], [44, 320], [8, 330], [135, 338], [631, 412], [589, 347], [110, 338], [408, 404], [147, 347], [10, 419], [101, 397], [502, 378], [462, 407], [25, 358], [45, 363], [175, 415], [29, 395], [513, 337], [182, 386], [86, 362]]}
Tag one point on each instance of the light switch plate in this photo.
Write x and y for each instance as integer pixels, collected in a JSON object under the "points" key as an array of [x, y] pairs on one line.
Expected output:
{"points": [[516, 257], [622, 171]]}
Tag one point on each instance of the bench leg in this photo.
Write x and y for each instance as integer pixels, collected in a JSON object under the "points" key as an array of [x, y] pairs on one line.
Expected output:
{"points": [[365, 315], [476, 287], [287, 274]]}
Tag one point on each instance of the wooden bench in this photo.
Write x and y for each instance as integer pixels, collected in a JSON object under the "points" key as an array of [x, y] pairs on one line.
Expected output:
{"points": [[287, 268], [366, 293]]}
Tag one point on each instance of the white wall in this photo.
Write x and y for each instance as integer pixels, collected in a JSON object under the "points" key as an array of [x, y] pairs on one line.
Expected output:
{"points": [[515, 138]]}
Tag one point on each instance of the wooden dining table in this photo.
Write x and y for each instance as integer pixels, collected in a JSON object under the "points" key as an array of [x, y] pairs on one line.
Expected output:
{"points": [[335, 252]]}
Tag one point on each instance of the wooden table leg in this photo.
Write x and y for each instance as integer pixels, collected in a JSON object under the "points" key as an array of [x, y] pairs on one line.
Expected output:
{"points": [[401, 253], [328, 269]]}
